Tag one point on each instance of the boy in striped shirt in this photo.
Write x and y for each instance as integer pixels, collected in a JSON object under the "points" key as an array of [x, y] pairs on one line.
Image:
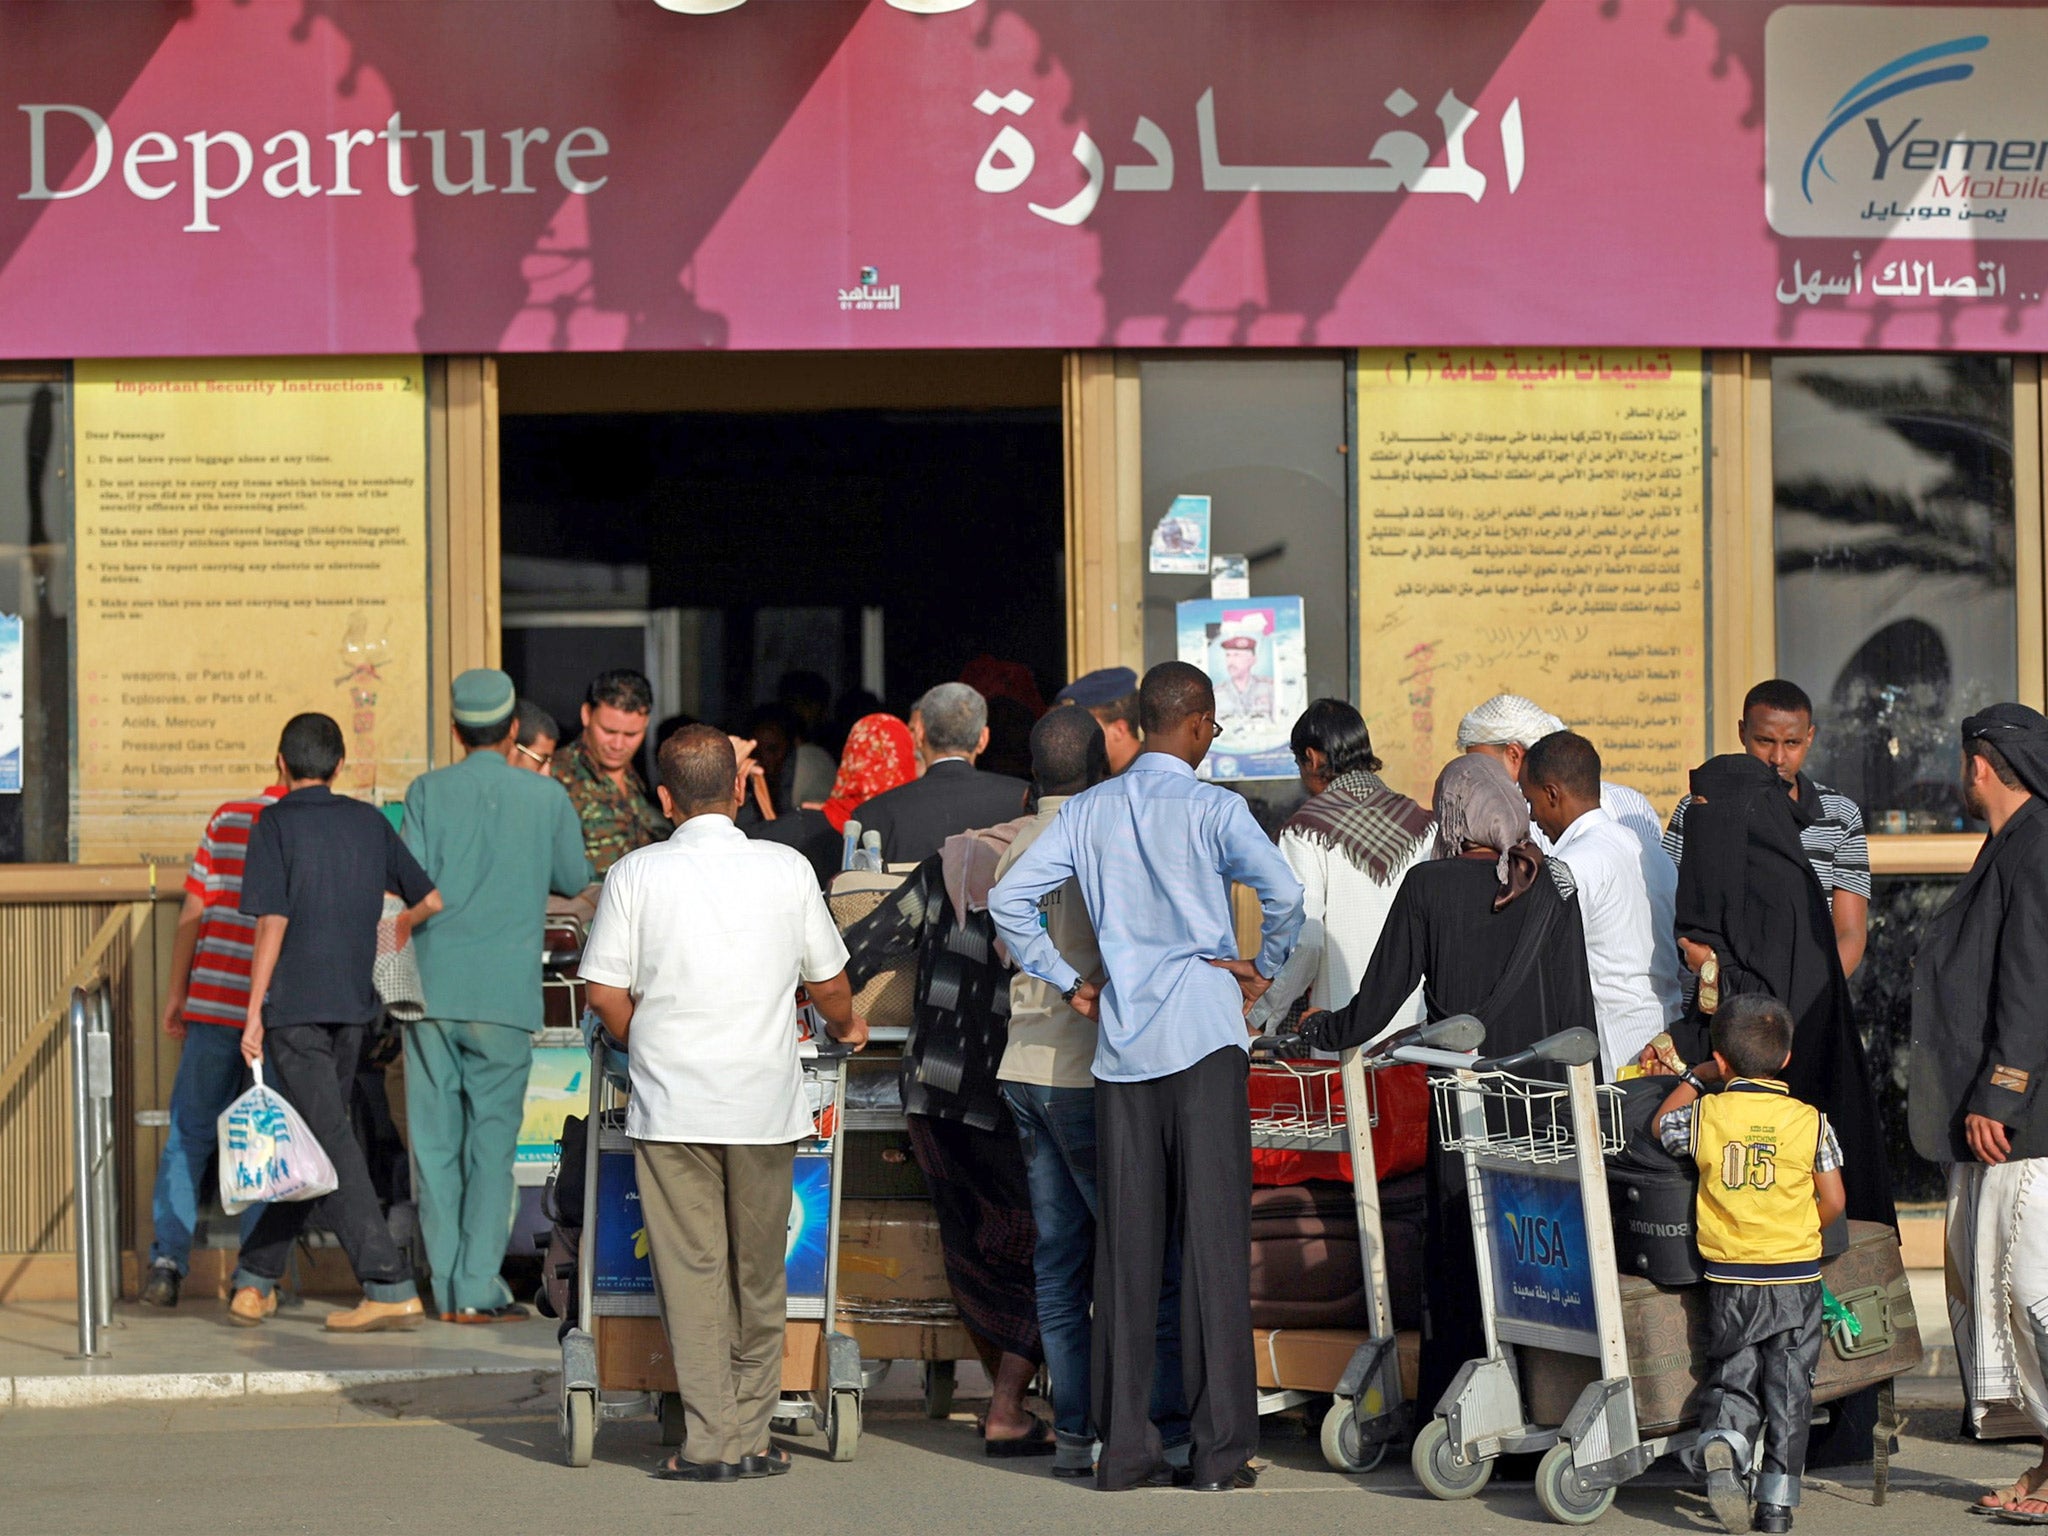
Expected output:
{"points": [[206, 1008]]}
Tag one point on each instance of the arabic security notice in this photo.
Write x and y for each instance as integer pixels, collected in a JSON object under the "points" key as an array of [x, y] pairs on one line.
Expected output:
{"points": [[252, 544], [1534, 522]]}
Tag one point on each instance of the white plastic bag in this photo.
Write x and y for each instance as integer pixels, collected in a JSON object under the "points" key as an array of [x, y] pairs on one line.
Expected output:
{"points": [[267, 1153]]}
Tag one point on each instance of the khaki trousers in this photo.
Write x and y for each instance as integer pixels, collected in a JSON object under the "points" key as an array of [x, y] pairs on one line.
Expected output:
{"points": [[717, 1227]]}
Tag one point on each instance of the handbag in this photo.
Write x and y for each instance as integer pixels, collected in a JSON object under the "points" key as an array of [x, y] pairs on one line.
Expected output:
{"points": [[396, 970]]}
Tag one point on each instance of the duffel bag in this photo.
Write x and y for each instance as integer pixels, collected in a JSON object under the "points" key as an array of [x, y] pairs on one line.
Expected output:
{"points": [[1667, 1341]]}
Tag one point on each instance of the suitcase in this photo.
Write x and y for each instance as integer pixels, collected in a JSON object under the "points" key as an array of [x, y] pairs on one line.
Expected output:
{"points": [[1666, 1333], [1306, 1268]]}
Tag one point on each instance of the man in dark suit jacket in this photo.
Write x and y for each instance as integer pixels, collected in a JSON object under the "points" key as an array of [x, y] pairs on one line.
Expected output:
{"points": [[950, 727]]}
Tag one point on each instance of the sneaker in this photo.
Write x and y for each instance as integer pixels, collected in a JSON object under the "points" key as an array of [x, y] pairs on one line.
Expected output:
{"points": [[161, 1288], [251, 1307], [368, 1316], [1725, 1490], [1776, 1518], [510, 1312]]}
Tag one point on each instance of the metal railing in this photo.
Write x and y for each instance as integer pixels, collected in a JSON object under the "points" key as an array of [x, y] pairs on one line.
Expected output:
{"points": [[93, 1216]]}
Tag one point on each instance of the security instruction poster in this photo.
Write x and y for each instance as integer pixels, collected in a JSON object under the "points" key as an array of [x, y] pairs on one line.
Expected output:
{"points": [[1534, 522], [252, 544]]}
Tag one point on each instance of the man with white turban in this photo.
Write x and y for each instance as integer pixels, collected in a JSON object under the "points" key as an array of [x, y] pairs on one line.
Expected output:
{"points": [[1507, 725]]}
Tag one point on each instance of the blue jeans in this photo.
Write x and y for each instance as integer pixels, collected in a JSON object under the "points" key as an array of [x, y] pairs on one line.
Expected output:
{"points": [[211, 1076], [1057, 1127]]}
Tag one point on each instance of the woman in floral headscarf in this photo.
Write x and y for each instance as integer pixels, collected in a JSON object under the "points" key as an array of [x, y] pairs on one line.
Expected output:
{"points": [[879, 756]]}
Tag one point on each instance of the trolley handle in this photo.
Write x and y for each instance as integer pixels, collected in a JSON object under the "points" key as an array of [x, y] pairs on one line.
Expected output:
{"points": [[1566, 1048], [829, 1049]]}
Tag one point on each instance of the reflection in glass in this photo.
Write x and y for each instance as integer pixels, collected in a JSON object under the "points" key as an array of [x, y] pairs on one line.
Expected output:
{"points": [[35, 587], [1893, 489], [1900, 909]]}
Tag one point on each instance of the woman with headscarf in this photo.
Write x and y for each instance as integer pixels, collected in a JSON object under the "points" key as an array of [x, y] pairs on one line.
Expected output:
{"points": [[1489, 927], [878, 757], [1747, 892]]}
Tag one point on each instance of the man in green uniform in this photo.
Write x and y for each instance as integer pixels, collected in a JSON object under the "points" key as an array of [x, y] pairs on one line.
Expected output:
{"points": [[610, 797], [497, 841]]}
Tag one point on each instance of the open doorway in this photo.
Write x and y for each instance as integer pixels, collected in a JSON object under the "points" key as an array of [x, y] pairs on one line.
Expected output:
{"points": [[719, 521]]}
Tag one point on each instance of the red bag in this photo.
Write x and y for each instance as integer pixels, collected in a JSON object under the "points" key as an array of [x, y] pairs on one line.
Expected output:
{"points": [[1400, 1139]]}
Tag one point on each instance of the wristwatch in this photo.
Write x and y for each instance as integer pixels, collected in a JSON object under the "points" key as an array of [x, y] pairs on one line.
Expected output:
{"points": [[1693, 1081], [1068, 995]]}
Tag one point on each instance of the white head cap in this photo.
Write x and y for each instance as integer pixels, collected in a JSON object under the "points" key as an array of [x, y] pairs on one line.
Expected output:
{"points": [[1504, 718]]}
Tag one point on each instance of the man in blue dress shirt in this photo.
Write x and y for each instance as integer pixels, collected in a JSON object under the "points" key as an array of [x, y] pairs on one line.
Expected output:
{"points": [[1155, 851]]}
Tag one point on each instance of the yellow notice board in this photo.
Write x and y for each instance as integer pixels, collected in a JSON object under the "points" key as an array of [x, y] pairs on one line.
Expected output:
{"points": [[1534, 522], [252, 543]]}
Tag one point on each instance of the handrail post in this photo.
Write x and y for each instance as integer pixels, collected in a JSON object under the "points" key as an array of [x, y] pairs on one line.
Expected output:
{"points": [[106, 1197], [84, 1233]]}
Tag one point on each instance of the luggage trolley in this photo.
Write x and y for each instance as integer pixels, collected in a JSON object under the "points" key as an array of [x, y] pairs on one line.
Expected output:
{"points": [[615, 1359], [1536, 1188], [1323, 1114]]}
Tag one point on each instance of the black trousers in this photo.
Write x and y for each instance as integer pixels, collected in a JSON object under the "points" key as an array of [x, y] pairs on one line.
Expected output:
{"points": [[1763, 1343], [313, 1066], [1175, 1153]]}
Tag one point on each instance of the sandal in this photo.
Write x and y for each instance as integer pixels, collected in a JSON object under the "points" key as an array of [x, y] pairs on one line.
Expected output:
{"points": [[2019, 1491], [2020, 1514], [1036, 1441]]}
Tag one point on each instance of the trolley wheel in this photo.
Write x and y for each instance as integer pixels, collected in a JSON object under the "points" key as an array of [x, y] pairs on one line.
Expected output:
{"points": [[1558, 1491], [579, 1427], [939, 1376], [842, 1425], [1344, 1448], [1440, 1470], [671, 1418]]}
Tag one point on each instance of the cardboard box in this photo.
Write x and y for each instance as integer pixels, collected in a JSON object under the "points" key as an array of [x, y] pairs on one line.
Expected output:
{"points": [[632, 1355], [889, 1252], [1312, 1359]]}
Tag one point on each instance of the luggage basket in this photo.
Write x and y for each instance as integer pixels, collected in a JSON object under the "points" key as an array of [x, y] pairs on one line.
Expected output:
{"points": [[1519, 1119], [1311, 1113]]}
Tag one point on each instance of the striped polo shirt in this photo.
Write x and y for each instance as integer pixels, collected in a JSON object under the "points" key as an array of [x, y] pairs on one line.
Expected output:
{"points": [[218, 992], [1835, 844]]}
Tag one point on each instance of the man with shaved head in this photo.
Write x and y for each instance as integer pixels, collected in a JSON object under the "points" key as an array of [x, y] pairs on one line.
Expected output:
{"points": [[1153, 853], [694, 960]]}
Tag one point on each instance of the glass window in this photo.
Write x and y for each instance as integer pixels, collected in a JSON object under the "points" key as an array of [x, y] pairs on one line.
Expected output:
{"points": [[35, 595], [1900, 908], [1263, 439], [1897, 609]]}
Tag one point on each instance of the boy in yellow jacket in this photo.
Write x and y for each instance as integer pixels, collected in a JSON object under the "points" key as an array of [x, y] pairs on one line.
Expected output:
{"points": [[1770, 1180]]}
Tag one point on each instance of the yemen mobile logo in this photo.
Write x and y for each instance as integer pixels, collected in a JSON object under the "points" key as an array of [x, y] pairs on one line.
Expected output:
{"points": [[1883, 85]]}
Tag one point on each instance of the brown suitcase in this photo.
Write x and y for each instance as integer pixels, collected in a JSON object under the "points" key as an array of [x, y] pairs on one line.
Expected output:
{"points": [[1666, 1332], [1306, 1269]]}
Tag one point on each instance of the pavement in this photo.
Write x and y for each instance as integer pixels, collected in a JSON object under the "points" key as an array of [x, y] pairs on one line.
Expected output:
{"points": [[196, 1426], [482, 1455], [193, 1352]]}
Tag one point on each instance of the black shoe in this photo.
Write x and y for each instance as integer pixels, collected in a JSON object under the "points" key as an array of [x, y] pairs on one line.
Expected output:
{"points": [[1725, 1490], [1245, 1476], [161, 1288], [769, 1463], [1775, 1518], [680, 1471]]}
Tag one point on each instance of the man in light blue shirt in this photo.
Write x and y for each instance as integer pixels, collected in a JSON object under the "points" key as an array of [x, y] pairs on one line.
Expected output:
{"points": [[1155, 851]]}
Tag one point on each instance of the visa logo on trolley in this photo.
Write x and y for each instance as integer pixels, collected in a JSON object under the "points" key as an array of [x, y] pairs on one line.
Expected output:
{"points": [[1906, 120]]}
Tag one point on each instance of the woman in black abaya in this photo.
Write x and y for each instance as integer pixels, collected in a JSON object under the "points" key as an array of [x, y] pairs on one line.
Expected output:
{"points": [[1747, 892]]}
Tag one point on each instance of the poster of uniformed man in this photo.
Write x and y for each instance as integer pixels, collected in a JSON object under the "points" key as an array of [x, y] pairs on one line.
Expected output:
{"points": [[1252, 651]]}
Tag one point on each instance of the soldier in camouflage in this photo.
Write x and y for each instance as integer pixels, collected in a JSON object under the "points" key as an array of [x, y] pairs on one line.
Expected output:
{"points": [[610, 797]]}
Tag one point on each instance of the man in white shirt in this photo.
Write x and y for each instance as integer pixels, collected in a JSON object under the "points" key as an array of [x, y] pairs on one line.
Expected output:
{"points": [[1627, 898], [694, 959], [1507, 725]]}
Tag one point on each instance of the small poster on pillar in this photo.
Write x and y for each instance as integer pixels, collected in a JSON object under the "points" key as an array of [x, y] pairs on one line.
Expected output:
{"points": [[1252, 650], [252, 545]]}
